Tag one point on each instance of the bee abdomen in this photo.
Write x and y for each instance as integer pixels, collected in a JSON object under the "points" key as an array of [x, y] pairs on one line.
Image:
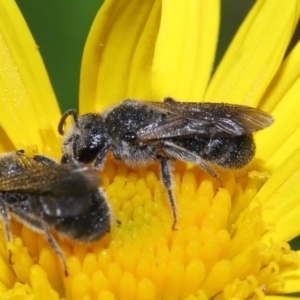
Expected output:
{"points": [[230, 153]]}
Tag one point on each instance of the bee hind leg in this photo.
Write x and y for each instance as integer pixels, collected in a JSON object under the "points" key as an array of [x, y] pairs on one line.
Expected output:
{"points": [[209, 170], [38, 225], [54, 245], [184, 154]]}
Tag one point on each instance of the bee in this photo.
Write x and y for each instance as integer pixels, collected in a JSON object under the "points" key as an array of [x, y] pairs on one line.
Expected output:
{"points": [[141, 132], [47, 196]]}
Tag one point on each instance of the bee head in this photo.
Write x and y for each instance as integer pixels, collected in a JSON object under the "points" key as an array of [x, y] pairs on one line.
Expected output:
{"points": [[85, 138]]}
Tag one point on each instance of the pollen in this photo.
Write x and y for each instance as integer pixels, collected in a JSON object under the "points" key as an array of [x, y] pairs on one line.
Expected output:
{"points": [[217, 250]]}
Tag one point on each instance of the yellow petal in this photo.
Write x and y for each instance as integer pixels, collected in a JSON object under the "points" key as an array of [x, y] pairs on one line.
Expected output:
{"points": [[148, 50], [29, 112], [280, 198], [185, 49], [118, 53], [277, 143], [282, 99], [279, 298], [255, 53], [284, 79], [292, 279], [40, 284]]}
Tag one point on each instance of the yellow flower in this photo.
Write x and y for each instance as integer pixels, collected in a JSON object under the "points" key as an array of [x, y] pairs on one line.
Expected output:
{"points": [[231, 242]]}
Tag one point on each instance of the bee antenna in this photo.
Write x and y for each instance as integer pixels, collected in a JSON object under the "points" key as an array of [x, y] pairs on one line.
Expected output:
{"points": [[61, 123]]}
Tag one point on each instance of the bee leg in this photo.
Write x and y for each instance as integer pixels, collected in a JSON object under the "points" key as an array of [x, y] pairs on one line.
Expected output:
{"points": [[5, 219], [177, 152], [165, 166], [210, 171], [44, 160], [38, 225], [66, 159], [100, 159], [54, 245]]}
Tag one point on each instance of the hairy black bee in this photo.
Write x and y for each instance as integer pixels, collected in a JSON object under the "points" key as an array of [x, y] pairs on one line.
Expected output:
{"points": [[45, 195], [141, 132]]}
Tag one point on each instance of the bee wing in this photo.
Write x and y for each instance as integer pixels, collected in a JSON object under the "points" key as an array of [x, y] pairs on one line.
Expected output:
{"points": [[208, 120], [27, 181], [62, 190]]}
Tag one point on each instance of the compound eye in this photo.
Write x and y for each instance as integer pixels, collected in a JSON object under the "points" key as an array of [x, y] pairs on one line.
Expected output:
{"points": [[130, 136], [87, 154]]}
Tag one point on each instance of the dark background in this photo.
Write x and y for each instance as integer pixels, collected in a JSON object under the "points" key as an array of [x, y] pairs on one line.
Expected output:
{"points": [[60, 29]]}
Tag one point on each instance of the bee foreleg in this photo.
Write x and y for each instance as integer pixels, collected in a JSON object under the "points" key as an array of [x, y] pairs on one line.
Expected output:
{"points": [[100, 159], [66, 159], [165, 166]]}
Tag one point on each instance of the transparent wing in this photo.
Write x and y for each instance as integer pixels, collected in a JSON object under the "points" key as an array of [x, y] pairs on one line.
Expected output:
{"points": [[62, 190], [208, 120]]}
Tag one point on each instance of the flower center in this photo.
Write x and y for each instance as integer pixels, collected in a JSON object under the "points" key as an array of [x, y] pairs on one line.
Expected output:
{"points": [[217, 251]]}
